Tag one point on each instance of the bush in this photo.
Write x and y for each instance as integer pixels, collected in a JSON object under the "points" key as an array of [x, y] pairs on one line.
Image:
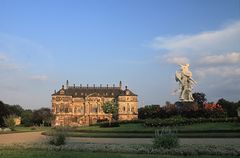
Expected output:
{"points": [[108, 125], [33, 128], [166, 139], [58, 136], [181, 121], [9, 121], [58, 139]]}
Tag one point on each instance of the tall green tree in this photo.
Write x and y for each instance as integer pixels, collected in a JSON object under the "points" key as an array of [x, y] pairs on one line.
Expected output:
{"points": [[42, 116], [229, 107], [4, 112], [27, 117], [110, 108], [200, 99]]}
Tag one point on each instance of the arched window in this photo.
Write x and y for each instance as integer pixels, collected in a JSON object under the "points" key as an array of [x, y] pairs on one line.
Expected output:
{"points": [[124, 109]]}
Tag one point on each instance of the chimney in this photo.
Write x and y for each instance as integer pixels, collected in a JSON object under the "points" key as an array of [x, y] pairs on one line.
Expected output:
{"points": [[120, 84], [67, 84], [73, 85], [62, 86]]}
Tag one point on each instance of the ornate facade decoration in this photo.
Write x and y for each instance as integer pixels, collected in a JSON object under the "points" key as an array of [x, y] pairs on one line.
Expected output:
{"points": [[79, 105]]}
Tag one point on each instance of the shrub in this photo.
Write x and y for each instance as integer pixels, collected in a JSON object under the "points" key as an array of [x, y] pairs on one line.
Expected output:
{"points": [[33, 128], [10, 121], [181, 121], [107, 125], [58, 136], [58, 139], [166, 139]]}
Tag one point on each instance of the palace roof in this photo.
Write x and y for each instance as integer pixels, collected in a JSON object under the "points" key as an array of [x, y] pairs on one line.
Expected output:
{"points": [[82, 92]]}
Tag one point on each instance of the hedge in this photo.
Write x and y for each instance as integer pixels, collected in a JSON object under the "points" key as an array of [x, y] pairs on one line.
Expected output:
{"points": [[180, 121]]}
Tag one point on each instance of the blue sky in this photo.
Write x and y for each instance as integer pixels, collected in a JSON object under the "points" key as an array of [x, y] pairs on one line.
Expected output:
{"points": [[140, 42]]}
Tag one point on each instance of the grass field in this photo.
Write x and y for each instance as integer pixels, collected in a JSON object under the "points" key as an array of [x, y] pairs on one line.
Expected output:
{"points": [[75, 154], [19, 129], [138, 130]]}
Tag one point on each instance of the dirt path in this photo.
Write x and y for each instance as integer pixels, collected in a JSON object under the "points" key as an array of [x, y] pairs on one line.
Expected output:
{"points": [[34, 137], [189, 141], [27, 137]]}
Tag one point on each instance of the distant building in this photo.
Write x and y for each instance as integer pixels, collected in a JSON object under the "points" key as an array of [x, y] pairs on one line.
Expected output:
{"points": [[17, 120], [79, 105]]}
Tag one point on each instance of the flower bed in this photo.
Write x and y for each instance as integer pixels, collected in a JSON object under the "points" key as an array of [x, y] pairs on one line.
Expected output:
{"points": [[138, 149]]}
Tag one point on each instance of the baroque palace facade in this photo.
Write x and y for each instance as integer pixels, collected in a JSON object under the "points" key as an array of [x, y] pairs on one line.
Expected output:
{"points": [[79, 105]]}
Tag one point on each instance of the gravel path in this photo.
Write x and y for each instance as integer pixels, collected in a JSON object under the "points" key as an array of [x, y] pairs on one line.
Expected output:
{"points": [[189, 141], [34, 137], [27, 137]]}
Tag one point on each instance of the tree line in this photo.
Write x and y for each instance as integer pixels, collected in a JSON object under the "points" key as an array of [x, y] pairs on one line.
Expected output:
{"points": [[29, 117]]}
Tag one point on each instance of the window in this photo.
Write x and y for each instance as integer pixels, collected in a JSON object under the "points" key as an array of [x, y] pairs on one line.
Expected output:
{"points": [[94, 108], [128, 107], [58, 98], [57, 109], [62, 92], [80, 110], [75, 119], [66, 110], [124, 109]]}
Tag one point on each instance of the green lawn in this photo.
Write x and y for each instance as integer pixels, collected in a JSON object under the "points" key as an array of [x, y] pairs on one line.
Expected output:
{"points": [[151, 135], [75, 154], [131, 127], [19, 129], [138, 130], [211, 126]]}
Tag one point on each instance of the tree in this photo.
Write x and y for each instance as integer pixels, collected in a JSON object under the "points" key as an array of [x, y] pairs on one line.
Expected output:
{"points": [[15, 109], [27, 118], [229, 107], [110, 108], [42, 116], [4, 111], [200, 98]]}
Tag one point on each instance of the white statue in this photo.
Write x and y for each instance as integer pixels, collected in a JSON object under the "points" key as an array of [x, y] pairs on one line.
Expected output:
{"points": [[184, 77]]}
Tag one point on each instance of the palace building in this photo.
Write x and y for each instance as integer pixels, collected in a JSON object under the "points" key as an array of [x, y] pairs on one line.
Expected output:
{"points": [[82, 105]]}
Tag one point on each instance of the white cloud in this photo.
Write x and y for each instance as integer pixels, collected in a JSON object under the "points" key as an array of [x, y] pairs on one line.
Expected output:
{"points": [[177, 60], [39, 77], [229, 58], [222, 71], [219, 40]]}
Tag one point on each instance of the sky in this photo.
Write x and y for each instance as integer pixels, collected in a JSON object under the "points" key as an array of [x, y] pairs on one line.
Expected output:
{"points": [[139, 42]]}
